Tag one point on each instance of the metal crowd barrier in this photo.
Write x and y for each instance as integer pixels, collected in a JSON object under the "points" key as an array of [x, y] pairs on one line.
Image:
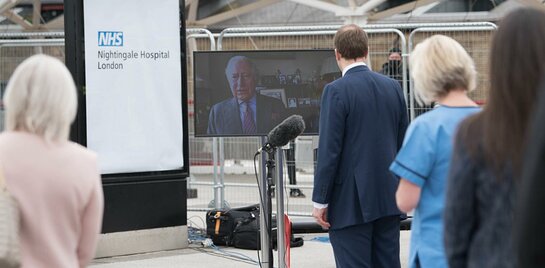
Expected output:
{"points": [[222, 169], [239, 191], [466, 37]]}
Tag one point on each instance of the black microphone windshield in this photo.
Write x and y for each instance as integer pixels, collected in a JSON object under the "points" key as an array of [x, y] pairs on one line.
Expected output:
{"points": [[286, 131]]}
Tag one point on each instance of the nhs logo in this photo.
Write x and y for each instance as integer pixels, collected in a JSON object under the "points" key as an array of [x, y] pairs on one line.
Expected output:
{"points": [[110, 39]]}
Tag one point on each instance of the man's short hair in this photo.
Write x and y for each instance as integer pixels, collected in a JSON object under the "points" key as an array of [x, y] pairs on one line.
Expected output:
{"points": [[231, 64], [438, 65], [41, 98], [351, 42]]}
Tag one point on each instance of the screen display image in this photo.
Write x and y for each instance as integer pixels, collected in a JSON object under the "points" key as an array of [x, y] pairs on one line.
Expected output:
{"points": [[248, 93]]}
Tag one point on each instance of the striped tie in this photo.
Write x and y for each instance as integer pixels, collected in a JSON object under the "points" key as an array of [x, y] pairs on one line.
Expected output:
{"points": [[248, 126]]}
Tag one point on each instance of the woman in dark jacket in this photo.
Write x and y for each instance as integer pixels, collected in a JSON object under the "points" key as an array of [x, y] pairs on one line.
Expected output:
{"points": [[488, 151]]}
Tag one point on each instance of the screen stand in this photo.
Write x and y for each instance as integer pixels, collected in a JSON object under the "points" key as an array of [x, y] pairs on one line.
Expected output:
{"points": [[265, 225], [280, 231], [272, 181]]}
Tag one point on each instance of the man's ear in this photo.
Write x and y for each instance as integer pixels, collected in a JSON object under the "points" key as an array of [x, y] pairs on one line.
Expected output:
{"points": [[338, 55]]}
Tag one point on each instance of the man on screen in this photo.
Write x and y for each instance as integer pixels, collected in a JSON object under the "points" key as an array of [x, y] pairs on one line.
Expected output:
{"points": [[247, 112]]}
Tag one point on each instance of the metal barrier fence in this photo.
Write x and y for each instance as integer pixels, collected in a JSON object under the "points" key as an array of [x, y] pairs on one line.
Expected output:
{"points": [[475, 39], [202, 151], [240, 189], [197, 39], [222, 169], [16, 47], [238, 184]]}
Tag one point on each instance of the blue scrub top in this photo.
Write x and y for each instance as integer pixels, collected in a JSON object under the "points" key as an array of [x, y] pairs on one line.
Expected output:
{"points": [[424, 160]]}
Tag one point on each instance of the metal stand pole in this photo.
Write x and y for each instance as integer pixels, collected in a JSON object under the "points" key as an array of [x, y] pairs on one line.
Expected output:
{"points": [[223, 203], [281, 244], [271, 169], [266, 249], [217, 184]]}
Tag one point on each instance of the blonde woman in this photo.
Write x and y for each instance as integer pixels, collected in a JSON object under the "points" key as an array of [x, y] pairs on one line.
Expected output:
{"points": [[443, 72], [55, 182]]}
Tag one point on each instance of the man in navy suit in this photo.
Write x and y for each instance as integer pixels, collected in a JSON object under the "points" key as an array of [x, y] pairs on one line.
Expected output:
{"points": [[363, 119], [247, 112]]}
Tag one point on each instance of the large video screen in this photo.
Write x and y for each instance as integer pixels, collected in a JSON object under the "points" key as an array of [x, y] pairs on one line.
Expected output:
{"points": [[248, 93]]}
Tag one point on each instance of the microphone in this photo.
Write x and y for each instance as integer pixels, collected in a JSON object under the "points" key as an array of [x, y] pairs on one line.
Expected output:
{"points": [[284, 132]]}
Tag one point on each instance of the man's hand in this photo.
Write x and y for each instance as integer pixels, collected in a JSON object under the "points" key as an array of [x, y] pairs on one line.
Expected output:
{"points": [[320, 214]]}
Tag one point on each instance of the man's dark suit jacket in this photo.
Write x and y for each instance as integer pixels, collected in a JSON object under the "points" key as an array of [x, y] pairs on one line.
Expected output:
{"points": [[225, 119], [363, 119]]}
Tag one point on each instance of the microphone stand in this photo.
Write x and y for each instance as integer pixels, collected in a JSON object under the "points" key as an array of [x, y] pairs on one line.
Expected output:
{"points": [[289, 129], [271, 169], [265, 213], [274, 177]]}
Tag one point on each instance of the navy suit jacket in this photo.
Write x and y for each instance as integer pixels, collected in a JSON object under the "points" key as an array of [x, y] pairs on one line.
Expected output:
{"points": [[225, 119], [363, 119]]}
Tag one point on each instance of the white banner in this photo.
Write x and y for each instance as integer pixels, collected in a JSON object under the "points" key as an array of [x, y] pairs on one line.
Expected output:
{"points": [[133, 84]]}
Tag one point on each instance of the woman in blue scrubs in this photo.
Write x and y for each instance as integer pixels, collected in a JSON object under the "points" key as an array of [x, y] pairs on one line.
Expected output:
{"points": [[443, 73]]}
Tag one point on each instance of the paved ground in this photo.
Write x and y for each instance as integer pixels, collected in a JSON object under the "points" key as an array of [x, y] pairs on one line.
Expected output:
{"points": [[312, 254], [316, 252]]}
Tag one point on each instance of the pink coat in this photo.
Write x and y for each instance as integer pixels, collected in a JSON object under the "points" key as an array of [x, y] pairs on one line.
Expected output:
{"points": [[59, 192]]}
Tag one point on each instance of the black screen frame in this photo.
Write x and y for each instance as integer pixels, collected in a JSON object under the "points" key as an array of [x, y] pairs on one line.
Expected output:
{"points": [[195, 98]]}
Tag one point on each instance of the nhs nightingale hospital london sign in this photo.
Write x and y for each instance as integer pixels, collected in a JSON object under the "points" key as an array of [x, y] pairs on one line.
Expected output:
{"points": [[134, 85], [112, 59]]}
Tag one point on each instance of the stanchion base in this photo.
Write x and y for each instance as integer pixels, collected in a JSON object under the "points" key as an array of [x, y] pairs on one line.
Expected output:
{"points": [[225, 205]]}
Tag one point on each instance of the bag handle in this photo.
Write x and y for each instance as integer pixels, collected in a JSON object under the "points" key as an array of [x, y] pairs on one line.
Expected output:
{"points": [[218, 221]]}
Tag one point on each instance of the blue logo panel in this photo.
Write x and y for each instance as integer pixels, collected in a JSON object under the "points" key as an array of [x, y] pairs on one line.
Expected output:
{"points": [[110, 39]]}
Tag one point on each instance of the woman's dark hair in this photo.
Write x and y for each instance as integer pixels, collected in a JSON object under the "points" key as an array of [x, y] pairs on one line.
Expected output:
{"points": [[517, 64]]}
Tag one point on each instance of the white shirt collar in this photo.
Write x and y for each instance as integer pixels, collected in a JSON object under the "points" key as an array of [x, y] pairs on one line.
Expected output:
{"points": [[358, 63], [252, 101]]}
